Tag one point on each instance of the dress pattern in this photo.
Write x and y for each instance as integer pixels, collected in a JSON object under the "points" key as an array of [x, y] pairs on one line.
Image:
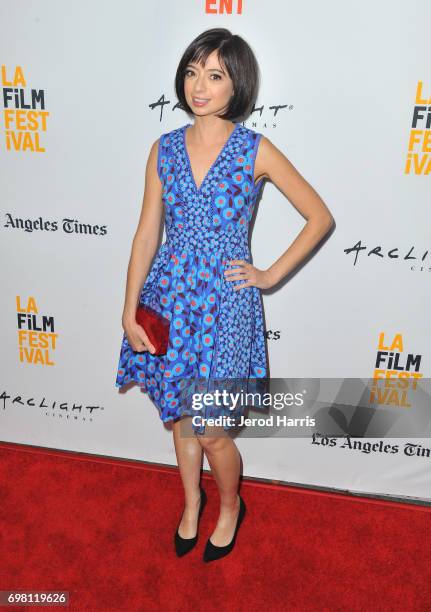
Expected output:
{"points": [[216, 333]]}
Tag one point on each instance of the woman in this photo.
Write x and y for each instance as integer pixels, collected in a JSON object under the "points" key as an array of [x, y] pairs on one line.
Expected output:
{"points": [[208, 176]]}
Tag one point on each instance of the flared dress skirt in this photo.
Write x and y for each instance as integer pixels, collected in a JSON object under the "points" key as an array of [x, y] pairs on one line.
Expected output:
{"points": [[216, 335]]}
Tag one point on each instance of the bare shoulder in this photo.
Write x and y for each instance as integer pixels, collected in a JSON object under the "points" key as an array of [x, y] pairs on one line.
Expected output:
{"points": [[151, 210], [154, 148], [267, 155], [271, 162], [267, 152], [151, 170], [261, 163]]}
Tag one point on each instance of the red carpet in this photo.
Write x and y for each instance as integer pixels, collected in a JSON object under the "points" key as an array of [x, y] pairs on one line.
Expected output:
{"points": [[103, 529]]}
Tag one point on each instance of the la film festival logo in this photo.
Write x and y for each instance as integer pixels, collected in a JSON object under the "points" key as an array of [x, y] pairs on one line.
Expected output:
{"points": [[36, 334], [395, 373], [419, 149], [24, 113]]}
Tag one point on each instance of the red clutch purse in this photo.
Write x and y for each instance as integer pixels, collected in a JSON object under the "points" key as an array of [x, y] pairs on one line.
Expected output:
{"points": [[156, 326]]}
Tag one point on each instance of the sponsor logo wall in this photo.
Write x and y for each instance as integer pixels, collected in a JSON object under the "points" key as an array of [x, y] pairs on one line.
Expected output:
{"points": [[81, 107]]}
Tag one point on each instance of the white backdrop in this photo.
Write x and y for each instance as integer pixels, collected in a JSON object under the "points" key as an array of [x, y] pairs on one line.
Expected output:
{"points": [[339, 84]]}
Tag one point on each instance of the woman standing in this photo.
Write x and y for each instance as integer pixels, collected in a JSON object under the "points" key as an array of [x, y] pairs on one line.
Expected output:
{"points": [[208, 176]]}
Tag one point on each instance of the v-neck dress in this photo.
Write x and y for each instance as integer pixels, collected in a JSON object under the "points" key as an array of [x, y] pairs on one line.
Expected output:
{"points": [[216, 333]]}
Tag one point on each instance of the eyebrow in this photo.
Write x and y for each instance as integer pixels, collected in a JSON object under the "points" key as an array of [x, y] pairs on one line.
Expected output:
{"points": [[209, 69]]}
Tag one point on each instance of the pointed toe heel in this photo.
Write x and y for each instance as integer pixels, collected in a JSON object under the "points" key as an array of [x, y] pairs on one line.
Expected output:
{"points": [[213, 552], [185, 545]]}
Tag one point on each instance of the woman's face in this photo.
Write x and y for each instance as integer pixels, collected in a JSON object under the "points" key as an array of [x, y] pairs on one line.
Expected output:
{"points": [[208, 88]]}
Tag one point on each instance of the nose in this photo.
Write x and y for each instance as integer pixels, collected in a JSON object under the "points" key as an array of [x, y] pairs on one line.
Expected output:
{"points": [[200, 84]]}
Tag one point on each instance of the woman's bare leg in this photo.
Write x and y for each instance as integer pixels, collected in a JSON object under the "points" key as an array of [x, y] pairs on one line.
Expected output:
{"points": [[189, 457], [225, 462]]}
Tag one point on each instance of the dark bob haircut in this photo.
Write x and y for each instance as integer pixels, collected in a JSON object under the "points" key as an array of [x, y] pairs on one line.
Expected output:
{"points": [[240, 63]]}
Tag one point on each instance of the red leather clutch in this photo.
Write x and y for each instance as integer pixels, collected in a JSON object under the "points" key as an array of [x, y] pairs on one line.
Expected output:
{"points": [[156, 326]]}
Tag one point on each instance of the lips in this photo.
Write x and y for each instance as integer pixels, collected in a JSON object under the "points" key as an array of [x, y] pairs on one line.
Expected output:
{"points": [[199, 101]]}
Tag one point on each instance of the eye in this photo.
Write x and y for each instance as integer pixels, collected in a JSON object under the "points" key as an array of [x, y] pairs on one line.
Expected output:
{"points": [[218, 77], [187, 70]]}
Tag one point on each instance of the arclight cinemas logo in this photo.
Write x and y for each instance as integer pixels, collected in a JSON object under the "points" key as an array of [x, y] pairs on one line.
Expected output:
{"points": [[361, 251]]}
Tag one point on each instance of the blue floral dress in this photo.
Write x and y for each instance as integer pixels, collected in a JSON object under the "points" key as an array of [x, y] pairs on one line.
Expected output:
{"points": [[216, 333]]}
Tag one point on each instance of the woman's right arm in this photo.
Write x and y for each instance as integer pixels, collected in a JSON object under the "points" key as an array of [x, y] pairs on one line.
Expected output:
{"points": [[144, 246]]}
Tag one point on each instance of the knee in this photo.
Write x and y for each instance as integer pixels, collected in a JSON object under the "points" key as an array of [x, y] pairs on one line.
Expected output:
{"points": [[211, 443]]}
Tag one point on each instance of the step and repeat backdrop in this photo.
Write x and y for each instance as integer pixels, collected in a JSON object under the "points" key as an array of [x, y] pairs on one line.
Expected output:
{"points": [[345, 94]]}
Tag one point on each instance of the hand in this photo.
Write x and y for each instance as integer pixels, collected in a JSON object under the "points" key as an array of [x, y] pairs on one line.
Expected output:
{"points": [[136, 336], [249, 273]]}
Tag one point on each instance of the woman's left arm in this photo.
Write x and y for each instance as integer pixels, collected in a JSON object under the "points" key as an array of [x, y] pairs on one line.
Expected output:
{"points": [[272, 163]]}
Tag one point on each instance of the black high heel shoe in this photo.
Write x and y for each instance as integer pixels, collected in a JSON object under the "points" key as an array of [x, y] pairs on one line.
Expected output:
{"points": [[213, 552], [185, 545]]}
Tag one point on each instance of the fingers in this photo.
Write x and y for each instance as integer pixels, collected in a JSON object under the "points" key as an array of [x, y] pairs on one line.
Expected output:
{"points": [[243, 266], [144, 347], [141, 342], [238, 276], [147, 346], [237, 287], [238, 273], [242, 273]]}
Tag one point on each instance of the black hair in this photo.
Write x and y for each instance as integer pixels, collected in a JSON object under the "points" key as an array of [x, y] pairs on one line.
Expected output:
{"points": [[240, 63]]}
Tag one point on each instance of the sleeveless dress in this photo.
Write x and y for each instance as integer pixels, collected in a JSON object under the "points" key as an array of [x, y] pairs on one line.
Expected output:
{"points": [[216, 333]]}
